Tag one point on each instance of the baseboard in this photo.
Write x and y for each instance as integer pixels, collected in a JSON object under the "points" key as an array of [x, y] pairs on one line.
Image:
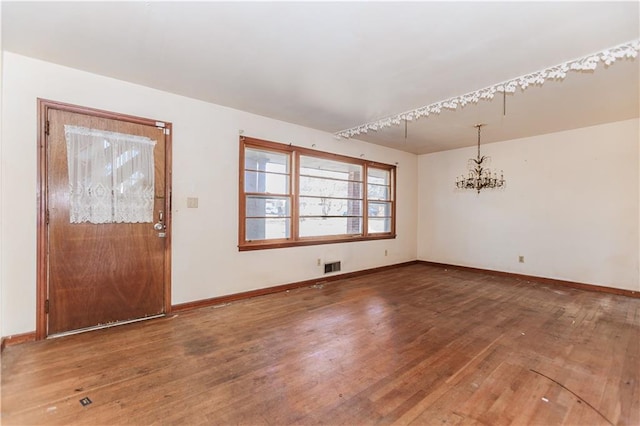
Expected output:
{"points": [[543, 280], [17, 338], [181, 307]]}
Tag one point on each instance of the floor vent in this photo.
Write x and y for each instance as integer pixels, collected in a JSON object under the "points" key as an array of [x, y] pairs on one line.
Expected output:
{"points": [[331, 267]]}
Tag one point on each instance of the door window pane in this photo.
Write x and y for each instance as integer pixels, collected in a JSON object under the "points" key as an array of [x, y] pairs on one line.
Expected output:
{"points": [[111, 176]]}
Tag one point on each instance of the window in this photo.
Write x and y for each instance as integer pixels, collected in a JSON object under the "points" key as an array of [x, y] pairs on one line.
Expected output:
{"points": [[296, 196], [111, 176], [267, 188]]}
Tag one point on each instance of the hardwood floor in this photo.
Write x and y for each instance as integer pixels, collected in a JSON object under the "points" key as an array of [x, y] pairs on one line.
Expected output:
{"points": [[414, 345]]}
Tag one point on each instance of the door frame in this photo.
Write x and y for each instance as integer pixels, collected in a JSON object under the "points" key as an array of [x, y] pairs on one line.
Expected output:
{"points": [[44, 106]]}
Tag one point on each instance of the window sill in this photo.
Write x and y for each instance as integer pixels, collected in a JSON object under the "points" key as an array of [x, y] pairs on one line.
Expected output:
{"points": [[309, 242]]}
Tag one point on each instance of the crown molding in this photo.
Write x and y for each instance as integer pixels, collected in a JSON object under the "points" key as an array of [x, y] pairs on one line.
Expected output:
{"points": [[628, 50]]}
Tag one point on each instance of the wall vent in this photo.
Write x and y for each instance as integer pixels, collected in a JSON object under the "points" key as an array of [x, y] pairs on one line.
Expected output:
{"points": [[331, 267]]}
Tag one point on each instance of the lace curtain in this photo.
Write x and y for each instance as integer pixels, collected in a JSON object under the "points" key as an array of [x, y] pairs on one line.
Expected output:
{"points": [[110, 176]]}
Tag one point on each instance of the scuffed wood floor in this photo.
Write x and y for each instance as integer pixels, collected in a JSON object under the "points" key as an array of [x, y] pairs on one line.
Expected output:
{"points": [[414, 345]]}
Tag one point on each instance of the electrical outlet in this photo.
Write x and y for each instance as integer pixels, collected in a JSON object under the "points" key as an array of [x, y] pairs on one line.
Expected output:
{"points": [[521, 259]]}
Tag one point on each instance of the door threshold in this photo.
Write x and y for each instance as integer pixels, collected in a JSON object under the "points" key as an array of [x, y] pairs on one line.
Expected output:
{"points": [[101, 326]]}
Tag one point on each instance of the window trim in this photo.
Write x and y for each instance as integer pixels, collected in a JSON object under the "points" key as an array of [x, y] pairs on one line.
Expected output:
{"points": [[295, 240]]}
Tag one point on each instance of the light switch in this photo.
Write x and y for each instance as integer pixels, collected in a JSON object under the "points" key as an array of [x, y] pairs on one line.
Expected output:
{"points": [[192, 202]]}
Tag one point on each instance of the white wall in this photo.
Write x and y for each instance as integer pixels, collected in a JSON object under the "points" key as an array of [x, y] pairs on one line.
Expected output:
{"points": [[206, 261], [570, 207]]}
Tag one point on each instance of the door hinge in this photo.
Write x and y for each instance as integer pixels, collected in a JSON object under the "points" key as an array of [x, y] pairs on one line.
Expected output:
{"points": [[47, 217], [46, 306], [46, 127], [167, 131]]}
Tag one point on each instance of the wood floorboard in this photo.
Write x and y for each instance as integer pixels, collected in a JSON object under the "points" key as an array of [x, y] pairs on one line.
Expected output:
{"points": [[419, 344]]}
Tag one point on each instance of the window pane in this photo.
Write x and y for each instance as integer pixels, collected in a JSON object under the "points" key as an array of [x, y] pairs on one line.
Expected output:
{"points": [[267, 161], [312, 206], [379, 209], [317, 227], [322, 167], [267, 206], [378, 176], [377, 192], [266, 183], [267, 228], [378, 184], [330, 188], [377, 225]]}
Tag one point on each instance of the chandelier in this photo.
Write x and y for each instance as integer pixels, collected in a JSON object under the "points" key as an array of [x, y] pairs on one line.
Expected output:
{"points": [[480, 176]]}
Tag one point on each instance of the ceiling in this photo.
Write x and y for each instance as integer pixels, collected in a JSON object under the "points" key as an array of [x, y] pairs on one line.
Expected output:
{"points": [[336, 65]]}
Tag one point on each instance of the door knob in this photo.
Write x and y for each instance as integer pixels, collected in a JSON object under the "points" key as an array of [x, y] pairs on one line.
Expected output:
{"points": [[160, 226]]}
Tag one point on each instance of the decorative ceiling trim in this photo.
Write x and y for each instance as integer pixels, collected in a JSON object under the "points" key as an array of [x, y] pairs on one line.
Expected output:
{"points": [[558, 72]]}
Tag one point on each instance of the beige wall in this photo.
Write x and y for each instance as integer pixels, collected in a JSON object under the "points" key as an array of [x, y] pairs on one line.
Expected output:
{"points": [[206, 262], [570, 207]]}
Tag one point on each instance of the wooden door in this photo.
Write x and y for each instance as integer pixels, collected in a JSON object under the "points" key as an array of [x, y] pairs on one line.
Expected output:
{"points": [[99, 274]]}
